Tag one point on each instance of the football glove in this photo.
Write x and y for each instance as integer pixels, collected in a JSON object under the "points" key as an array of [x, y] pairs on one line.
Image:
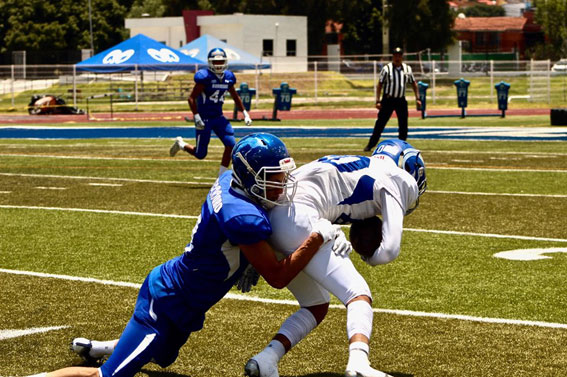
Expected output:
{"points": [[325, 229], [199, 124], [248, 279], [247, 119], [342, 246]]}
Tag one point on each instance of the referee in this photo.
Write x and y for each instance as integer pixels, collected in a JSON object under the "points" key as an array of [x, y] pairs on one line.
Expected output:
{"points": [[393, 78]]}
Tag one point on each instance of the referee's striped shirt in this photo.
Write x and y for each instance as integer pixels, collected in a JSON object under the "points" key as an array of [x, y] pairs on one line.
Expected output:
{"points": [[394, 79]]}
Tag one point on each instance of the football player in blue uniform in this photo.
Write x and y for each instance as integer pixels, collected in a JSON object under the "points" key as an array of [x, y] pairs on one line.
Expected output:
{"points": [[231, 231], [206, 100]]}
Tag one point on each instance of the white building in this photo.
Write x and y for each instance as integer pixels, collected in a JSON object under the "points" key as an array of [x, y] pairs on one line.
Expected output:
{"points": [[167, 30], [280, 40]]}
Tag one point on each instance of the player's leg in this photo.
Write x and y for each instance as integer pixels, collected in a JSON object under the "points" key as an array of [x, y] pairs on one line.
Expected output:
{"points": [[224, 131], [314, 303], [402, 114], [383, 117], [333, 273]]}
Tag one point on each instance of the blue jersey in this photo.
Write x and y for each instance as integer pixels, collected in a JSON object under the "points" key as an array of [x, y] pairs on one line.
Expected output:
{"points": [[212, 261], [210, 101]]}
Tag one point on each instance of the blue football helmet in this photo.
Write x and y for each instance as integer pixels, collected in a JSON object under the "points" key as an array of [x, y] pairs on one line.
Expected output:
{"points": [[218, 61], [254, 158], [407, 158]]}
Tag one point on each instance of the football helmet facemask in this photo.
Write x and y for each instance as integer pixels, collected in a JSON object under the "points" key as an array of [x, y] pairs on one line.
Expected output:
{"points": [[218, 61], [255, 158], [407, 158]]}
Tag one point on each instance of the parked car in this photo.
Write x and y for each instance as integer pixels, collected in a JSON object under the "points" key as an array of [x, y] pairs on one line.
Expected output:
{"points": [[560, 66]]}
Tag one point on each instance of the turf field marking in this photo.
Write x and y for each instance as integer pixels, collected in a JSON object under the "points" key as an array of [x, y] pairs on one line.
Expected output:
{"points": [[8, 334], [5, 192], [214, 178], [101, 211], [497, 169], [105, 179], [195, 217], [234, 296], [489, 235], [50, 188], [106, 158], [106, 184], [495, 194], [529, 254]]}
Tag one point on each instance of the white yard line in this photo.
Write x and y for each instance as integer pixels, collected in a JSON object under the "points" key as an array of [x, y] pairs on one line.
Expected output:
{"points": [[234, 296], [495, 194], [105, 179], [71, 157], [492, 169], [195, 217], [210, 179]]}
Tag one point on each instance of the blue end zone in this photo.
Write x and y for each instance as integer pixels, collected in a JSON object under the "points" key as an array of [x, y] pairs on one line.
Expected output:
{"points": [[433, 133]]}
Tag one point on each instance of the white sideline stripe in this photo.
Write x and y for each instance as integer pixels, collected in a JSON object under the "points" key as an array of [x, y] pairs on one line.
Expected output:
{"points": [[489, 235], [234, 296], [195, 217], [105, 179], [106, 184], [7, 334], [50, 188], [496, 194], [102, 211]]}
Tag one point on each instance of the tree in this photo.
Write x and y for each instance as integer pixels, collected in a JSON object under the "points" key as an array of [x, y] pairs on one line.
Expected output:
{"points": [[483, 10], [552, 15], [154, 8], [42, 27], [420, 24]]}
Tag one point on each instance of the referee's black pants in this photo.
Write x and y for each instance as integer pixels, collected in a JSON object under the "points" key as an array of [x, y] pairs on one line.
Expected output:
{"points": [[389, 105]]}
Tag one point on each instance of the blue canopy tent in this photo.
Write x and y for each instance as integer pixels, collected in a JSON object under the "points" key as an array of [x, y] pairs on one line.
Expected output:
{"points": [[139, 53], [237, 59]]}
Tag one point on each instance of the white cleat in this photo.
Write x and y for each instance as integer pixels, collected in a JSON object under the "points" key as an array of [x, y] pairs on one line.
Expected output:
{"points": [[364, 371], [176, 147], [259, 366]]}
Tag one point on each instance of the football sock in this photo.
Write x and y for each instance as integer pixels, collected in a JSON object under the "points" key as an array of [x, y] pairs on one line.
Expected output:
{"points": [[358, 355], [100, 349], [298, 325], [273, 352], [181, 143]]}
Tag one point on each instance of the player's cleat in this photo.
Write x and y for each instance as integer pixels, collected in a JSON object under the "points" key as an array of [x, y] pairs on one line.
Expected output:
{"points": [[364, 371], [260, 367], [176, 147], [82, 347]]}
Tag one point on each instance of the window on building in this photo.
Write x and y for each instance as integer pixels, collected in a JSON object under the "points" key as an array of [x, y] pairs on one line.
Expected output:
{"points": [[267, 47], [291, 47]]}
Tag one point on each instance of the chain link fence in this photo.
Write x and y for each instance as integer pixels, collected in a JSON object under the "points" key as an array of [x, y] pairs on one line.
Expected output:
{"points": [[346, 81]]}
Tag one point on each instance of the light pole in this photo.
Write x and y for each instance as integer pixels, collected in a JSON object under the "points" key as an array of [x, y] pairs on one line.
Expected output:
{"points": [[276, 43], [91, 27]]}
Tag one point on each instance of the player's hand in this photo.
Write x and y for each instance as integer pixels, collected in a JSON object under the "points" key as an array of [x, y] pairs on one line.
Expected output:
{"points": [[378, 105], [342, 247], [248, 279], [247, 119], [325, 229], [199, 124]]}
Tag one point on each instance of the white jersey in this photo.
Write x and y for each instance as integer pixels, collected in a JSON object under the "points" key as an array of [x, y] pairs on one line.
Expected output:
{"points": [[346, 188]]}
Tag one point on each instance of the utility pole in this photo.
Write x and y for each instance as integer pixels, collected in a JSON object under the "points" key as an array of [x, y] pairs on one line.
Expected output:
{"points": [[385, 30]]}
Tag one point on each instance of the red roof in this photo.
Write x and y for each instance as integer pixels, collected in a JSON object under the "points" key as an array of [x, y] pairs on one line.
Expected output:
{"points": [[489, 24]]}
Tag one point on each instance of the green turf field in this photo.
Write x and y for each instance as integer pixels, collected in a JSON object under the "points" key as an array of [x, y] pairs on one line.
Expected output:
{"points": [[113, 209]]}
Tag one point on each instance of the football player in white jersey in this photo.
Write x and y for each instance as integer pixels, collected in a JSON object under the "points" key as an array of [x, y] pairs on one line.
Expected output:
{"points": [[342, 189]]}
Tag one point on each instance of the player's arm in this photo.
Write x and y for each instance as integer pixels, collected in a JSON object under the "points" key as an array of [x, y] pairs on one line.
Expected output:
{"points": [[192, 99], [239, 104], [392, 228], [278, 273], [236, 98]]}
